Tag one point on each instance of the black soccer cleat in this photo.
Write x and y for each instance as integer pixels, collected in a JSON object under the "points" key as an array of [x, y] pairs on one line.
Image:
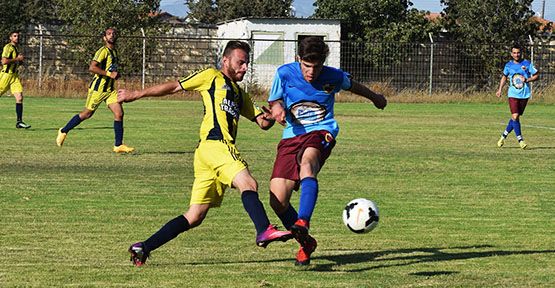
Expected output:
{"points": [[138, 254]]}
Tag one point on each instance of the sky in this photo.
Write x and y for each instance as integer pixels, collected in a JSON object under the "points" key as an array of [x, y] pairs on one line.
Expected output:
{"points": [[304, 8]]}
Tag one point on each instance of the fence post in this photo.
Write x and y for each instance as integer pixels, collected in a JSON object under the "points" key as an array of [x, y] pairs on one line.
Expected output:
{"points": [[431, 63], [144, 59], [40, 57], [532, 50]]}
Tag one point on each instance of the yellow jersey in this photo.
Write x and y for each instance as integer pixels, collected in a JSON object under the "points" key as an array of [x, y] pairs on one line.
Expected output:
{"points": [[224, 101], [108, 61], [10, 52]]}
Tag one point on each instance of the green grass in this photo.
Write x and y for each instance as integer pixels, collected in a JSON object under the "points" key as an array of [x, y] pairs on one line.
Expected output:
{"points": [[456, 211]]}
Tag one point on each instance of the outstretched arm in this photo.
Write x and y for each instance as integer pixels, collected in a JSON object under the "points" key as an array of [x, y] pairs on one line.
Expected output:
{"points": [[378, 99], [156, 91]]}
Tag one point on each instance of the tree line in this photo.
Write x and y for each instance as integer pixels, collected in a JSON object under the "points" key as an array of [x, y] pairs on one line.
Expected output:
{"points": [[471, 23]]}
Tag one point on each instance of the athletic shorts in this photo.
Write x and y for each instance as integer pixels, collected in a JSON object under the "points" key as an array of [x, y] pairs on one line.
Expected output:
{"points": [[517, 105], [290, 151], [216, 164], [94, 98], [10, 81]]}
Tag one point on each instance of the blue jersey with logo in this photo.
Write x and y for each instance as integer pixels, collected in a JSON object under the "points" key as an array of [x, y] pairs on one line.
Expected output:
{"points": [[308, 106], [516, 73]]}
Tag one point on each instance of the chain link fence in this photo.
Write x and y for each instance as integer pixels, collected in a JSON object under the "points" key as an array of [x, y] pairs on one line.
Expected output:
{"points": [[430, 67]]}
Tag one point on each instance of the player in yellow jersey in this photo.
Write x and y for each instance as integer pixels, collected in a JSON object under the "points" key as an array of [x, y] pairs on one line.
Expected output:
{"points": [[217, 163], [9, 77], [105, 68]]}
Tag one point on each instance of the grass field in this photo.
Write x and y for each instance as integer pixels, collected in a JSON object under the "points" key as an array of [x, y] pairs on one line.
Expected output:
{"points": [[456, 211]]}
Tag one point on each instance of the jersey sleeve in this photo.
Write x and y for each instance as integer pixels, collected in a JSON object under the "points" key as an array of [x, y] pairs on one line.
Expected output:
{"points": [[6, 51], [197, 81], [100, 55], [506, 70], [346, 82], [533, 69], [249, 109], [276, 92]]}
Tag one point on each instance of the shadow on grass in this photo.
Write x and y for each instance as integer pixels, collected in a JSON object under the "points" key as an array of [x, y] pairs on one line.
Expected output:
{"points": [[412, 256], [389, 258], [76, 128]]}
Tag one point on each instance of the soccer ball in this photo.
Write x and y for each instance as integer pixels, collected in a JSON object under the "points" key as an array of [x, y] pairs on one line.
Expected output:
{"points": [[361, 215]]}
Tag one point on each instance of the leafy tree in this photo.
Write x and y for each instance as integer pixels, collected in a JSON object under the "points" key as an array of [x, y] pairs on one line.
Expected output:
{"points": [[378, 30], [202, 11], [84, 18], [18, 14], [487, 21], [377, 20], [487, 38], [213, 11]]}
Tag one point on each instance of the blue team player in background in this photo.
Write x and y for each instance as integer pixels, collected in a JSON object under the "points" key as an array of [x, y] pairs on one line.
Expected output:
{"points": [[520, 73]]}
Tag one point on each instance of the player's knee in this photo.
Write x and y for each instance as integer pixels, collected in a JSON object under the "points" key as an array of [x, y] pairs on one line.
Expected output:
{"points": [[246, 183], [118, 116], [18, 97], [195, 219]]}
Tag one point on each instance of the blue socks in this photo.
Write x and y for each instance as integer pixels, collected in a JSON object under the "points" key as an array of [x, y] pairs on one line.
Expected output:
{"points": [[19, 111], [73, 122], [508, 129], [118, 132], [169, 231], [518, 133], [309, 194], [513, 124], [256, 211]]}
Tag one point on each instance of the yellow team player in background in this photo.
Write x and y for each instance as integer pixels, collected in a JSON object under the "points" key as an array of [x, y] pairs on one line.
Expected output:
{"points": [[9, 77], [105, 67]]}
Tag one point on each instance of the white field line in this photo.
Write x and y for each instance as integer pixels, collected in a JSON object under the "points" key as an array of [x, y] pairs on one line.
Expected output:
{"points": [[533, 126]]}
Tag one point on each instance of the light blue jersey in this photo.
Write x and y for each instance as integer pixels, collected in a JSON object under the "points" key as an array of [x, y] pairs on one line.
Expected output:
{"points": [[308, 106], [516, 73]]}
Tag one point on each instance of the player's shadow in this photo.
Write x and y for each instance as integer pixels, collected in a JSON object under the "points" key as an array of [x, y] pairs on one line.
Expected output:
{"points": [[76, 128], [167, 152], [413, 256]]}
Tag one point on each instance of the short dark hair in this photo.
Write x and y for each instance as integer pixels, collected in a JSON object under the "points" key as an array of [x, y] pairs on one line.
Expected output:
{"points": [[234, 44], [313, 49], [517, 46], [106, 30], [13, 32]]}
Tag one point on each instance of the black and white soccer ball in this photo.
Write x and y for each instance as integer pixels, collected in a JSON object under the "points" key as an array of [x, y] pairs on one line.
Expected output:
{"points": [[361, 215]]}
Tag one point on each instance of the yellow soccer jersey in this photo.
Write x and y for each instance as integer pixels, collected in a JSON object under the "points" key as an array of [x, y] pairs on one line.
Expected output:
{"points": [[10, 52], [224, 101], [108, 60]]}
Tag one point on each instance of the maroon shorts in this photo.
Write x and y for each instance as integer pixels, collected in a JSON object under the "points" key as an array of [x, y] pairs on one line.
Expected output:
{"points": [[517, 105], [290, 151]]}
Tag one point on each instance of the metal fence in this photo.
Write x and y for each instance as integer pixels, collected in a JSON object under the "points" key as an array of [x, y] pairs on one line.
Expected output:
{"points": [[425, 67]]}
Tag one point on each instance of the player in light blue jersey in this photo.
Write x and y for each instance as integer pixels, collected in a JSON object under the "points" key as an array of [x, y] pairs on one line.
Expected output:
{"points": [[302, 98], [520, 73]]}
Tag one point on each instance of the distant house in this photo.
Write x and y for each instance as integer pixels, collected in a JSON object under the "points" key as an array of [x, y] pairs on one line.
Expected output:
{"points": [[275, 41]]}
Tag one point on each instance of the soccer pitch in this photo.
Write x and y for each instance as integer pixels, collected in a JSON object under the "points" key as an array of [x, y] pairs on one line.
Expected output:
{"points": [[455, 210]]}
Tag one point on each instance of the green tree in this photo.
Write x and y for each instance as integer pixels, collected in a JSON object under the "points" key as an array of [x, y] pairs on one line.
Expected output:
{"points": [[378, 32], [213, 11], [127, 16], [18, 14], [488, 21], [203, 11], [487, 38], [377, 20]]}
